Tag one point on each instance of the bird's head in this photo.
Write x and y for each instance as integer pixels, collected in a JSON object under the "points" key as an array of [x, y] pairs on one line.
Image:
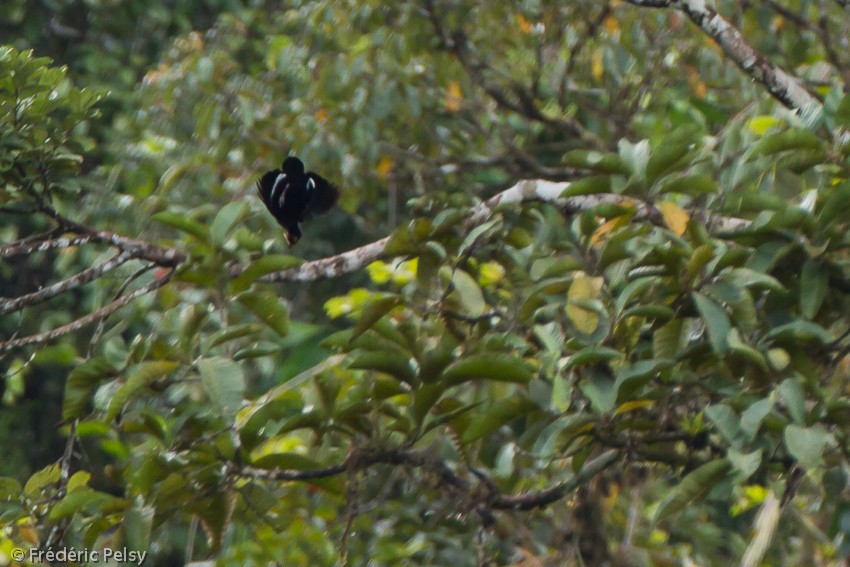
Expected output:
{"points": [[293, 166]]}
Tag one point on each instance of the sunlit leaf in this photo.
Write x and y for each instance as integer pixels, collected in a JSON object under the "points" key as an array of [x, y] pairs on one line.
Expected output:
{"points": [[675, 217]]}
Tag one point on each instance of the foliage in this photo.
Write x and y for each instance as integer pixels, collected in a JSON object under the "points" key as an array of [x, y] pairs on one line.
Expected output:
{"points": [[633, 381]]}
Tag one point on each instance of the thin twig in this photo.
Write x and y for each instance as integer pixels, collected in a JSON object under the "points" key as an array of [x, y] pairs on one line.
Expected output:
{"points": [[8, 305], [87, 319]]}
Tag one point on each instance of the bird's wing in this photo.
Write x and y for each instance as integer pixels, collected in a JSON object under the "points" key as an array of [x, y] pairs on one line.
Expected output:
{"points": [[322, 195], [265, 186], [279, 190]]}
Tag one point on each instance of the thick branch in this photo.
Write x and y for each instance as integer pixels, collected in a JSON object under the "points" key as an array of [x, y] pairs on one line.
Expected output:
{"points": [[160, 255], [332, 267], [363, 459], [785, 88], [525, 190]]}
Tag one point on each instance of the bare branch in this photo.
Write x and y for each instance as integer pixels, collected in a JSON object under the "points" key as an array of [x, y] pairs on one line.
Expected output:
{"points": [[26, 247], [87, 319], [362, 459], [78, 280], [516, 98], [541, 498], [332, 267], [785, 88], [525, 190], [160, 255]]}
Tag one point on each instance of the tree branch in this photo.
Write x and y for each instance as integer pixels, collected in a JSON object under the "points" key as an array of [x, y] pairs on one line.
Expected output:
{"points": [[332, 267], [525, 190], [139, 249], [8, 304], [362, 459], [87, 319], [782, 86]]}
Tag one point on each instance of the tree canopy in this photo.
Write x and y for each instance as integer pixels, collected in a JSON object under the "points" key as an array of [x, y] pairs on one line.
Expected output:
{"points": [[585, 299]]}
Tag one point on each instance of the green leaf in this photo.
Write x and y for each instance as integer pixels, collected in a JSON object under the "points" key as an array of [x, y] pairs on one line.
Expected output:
{"points": [[600, 387], [268, 308], [138, 523], [224, 383], [651, 311], [232, 333], [62, 354], [261, 266], [752, 417], [592, 355], [491, 366], [565, 427], [695, 486], [374, 310], [393, 363], [631, 377], [256, 351], [79, 478], [673, 147], [10, 489], [794, 397], [814, 281], [842, 112], [668, 340], [81, 498], [745, 463], [635, 289], [745, 277], [716, 320], [494, 416], [792, 333], [588, 186], [791, 139], [436, 358], [288, 460], [230, 214], [727, 423], [485, 230], [701, 256], [836, 206], [693, 185], [806, 444], [39, 480], [144, 374], [468, 294], [424, 399], [308, 419], [80, 384], [745, 351], [183, 223], [600, 162]]}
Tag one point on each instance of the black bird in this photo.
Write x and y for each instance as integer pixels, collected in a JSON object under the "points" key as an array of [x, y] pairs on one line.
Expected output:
{"points": [[293, 196]]}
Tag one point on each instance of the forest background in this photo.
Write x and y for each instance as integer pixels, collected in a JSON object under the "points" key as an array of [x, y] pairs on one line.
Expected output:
{"points": [[584, 299]]}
